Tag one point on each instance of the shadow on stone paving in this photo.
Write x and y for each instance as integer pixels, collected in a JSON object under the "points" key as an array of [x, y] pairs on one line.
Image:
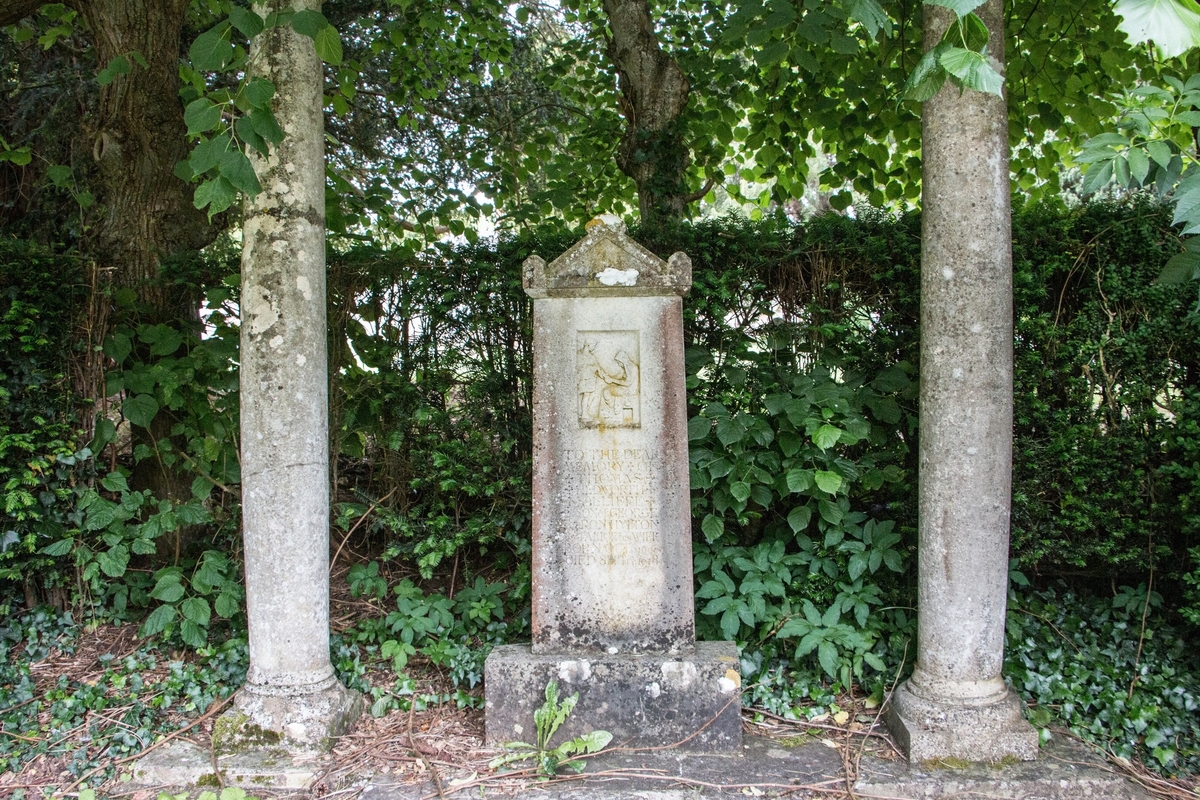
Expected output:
{"points": [[1065, 770]]}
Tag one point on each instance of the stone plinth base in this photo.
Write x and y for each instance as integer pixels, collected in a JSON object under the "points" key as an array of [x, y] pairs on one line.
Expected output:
{"points": [[642, 700], [299, 723], [1065, 770], [932, 731]]}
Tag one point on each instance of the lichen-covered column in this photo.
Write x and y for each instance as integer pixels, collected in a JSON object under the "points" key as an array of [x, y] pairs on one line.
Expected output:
{"points": [[291, 695], [956, 704]]}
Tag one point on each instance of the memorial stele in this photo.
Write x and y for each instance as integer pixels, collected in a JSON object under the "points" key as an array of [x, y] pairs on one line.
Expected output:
{"points": [[613, 606]]}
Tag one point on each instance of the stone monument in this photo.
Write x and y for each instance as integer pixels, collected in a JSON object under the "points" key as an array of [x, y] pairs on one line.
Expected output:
{"points": [[613, 614]]}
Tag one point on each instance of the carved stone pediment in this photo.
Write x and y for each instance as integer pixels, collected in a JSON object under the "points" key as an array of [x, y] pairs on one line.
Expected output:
{"points": [[607, 262]]}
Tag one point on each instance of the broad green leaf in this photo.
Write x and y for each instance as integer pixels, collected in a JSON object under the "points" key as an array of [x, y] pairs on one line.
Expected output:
{"points": [[201, 115], [259, 92], [799, 518], [827, 654], [826, 436], [828, 481], [168, 588], [207, 154], [213, 50], [265, 125], [192, 634], [740, 491], [308, 23], [713, 527], [772, 54], [196, 609], [960, 7], [59, 548], [871, 15], [245, 131], [799, 480], [1180, 268], [226, 605], [158, 620], [115, 482], [1139, 165], [972, 69], [140, 409], [830, 512], [329, 45], [1097, 177], [246, 21], [1160, 152], [1172, 25], [236, 169], [698, 428], [216, 193]]}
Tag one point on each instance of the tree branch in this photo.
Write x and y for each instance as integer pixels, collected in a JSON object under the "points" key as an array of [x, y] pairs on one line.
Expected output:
{"points": [[694, 196], [13, 11]]}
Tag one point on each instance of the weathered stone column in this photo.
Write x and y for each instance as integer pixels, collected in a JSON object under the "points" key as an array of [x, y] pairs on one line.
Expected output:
{"points": [[956, 704], [291, 693]]}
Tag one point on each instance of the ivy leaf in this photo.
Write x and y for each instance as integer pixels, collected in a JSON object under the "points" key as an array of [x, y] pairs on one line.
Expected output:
{"points": [[1172, 25], [117, 66], [213, 50], [972, 69], [140, 409]]}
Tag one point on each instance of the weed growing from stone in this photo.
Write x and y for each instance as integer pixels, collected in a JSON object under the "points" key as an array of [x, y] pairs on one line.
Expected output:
{"points": [[548, 718]]}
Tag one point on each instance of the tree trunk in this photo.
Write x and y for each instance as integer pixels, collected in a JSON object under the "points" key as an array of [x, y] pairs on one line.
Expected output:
{"points": [[956, 704], [654, 93], [138, 137]]}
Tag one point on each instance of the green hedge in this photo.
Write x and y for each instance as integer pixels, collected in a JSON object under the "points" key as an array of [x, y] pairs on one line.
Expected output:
{"points": [[431, 390]]}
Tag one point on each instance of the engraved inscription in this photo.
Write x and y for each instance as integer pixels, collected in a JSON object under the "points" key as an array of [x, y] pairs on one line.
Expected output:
{"points": [[608, 375], [614, 520]]}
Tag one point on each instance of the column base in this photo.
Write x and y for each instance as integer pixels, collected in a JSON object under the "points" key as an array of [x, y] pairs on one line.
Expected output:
{"points": [[929, 730], [642, 700], [304, 722]]}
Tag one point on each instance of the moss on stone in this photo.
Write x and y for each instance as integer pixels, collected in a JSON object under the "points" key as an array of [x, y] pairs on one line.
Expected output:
{"points": [[209, 779], [948, 762], [234, 733], [796, 741]]}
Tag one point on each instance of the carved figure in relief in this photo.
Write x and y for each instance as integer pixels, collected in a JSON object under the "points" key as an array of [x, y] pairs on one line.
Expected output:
{"points": [[608, 379]]}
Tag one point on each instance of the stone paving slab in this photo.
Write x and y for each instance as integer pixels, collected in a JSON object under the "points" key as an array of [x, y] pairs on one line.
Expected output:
{"points": [[764, 762], [184, 764], [1064, 770]]}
